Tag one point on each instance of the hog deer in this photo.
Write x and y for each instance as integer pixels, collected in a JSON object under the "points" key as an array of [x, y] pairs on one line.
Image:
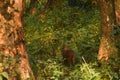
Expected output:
{"points": [[68, 55]]}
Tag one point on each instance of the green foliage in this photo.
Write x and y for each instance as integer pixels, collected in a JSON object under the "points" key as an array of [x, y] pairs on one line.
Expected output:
{"points": [[3, 74], [51, 70], [82, 72], [6, 63], [89, 73], [27, 3]]}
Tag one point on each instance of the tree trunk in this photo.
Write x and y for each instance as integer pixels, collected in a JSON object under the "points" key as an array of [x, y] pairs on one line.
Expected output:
{"points": [[117, 8], [12, 40], [108, 41]]}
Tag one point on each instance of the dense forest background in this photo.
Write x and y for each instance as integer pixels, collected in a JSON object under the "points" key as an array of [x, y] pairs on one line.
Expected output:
{"points": [[76, 24]]}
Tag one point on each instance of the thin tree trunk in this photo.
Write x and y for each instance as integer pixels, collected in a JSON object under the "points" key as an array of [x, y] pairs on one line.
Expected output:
{"points": [[117, 8], [117, 38], [12, 39], [108, 48]]}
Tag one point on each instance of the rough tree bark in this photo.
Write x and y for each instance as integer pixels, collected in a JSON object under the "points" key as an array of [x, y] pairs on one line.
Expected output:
{"points": [[12, 39], [108, 48]]}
